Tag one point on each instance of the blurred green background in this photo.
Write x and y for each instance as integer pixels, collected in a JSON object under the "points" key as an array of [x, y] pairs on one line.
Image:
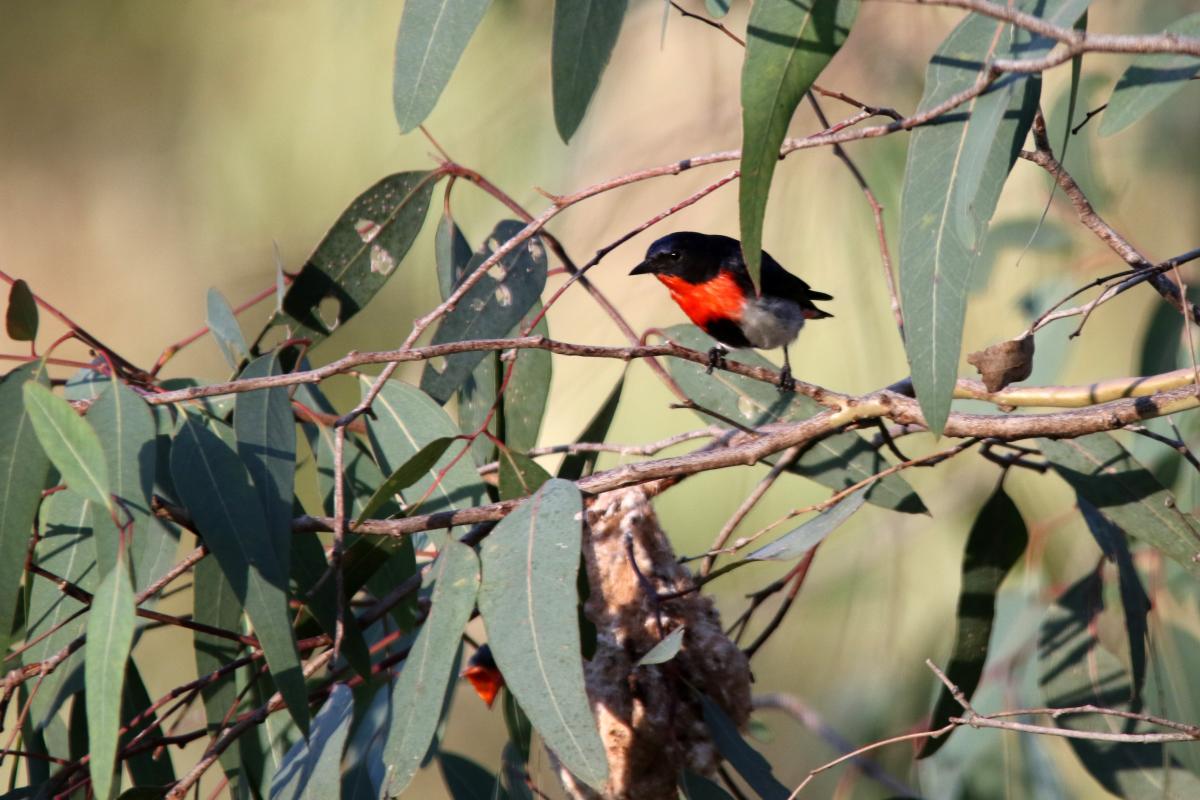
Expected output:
{"points": [[151, 150]]}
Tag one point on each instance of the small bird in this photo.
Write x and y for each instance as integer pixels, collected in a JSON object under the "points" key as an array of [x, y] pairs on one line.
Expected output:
{"points": [[707, 278], [484, 675]]}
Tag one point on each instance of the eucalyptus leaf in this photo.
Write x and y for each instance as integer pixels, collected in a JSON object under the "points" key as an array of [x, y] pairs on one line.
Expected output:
{"points": [[665, 650], [748, 762], [21, 318], [223, 325], [466, 780], [584, 34], [311, 770], [1150, 81], [520, 475], [70, 442], [577, 465], [811, 532], [109, 639]]}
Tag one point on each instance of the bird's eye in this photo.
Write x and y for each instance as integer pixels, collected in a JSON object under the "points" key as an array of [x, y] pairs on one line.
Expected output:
{"points": [[673, 255]]}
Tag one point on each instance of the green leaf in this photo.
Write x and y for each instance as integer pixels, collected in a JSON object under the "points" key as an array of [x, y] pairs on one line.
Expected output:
{"points": [[520, 730], [1075, 669], [357, 256], [70, 443], [308, 568], [811, 532], [698, 787], [53, 619], [223, 324], [1101, 471], [665, 650], [528, 388], [266, 443], [365, 772], [144, 768], [24, 469], [576, 465], [514, 775], [717, 8], [433, 35], [788, 44], [215, 488], [528, 602], [748, 762], [520, 475], [836, 461], [466, 780], [417, 694], [405, 476], [109, 640], [1150, 81], [489, 309], [451, 252], [584, 34], [21, 319], [996, 542], [407, 420], [311, 770]]}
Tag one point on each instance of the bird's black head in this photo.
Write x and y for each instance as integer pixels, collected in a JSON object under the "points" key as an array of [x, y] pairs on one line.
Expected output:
{"points": [[695, 257]]}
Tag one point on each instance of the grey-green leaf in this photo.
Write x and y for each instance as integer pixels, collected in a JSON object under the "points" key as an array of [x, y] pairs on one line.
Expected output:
{"points": [[1150, 81], [520, 475], [357, 256], [490, 308], [952, 182], [432, 37], [836, 461], [451, 253], [216, 490], [528, 601], [225, 329], [70, 442], [576, 465], [417, 694], [996, 542], [466, 780], [405, 475], [311, 770], [584, 34], [109, 639], [748, 762], [811, 532], [266, 443], [407, 420], [1102, 472], [717, 8], [788, 43], [21, 318], [665, 649], [24, 469]]}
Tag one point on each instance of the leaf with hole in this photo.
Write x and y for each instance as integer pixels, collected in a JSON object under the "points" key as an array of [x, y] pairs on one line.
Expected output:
{"points": [[432, 37], [995, 543], [21, 318], [109, 639], [788, 44], [418, 693], [357, 256], [1150, 81], [585, 32], [836, 462], [215, 488], [528, 603], [490, 308]]}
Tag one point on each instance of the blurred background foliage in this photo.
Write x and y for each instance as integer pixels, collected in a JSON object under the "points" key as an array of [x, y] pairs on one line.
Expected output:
{"points": [[151, 150]]}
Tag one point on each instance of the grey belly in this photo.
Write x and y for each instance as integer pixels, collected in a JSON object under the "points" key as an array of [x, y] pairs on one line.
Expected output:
{"points": [[771, 322]]}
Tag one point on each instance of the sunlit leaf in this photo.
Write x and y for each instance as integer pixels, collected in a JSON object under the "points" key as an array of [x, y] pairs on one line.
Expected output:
{"points": [[811, 532], [996, 542], [489, 309], [21, 318], [520, 475], [665, 649], [24, 469], [528, 389], [1150, 81], [417, 694], [70, 443], [755, 770], [405, 476], [356, 257], [836, 461], [215, 487], [433, 35], [365, 772], [223, 324], [1101, 471], [1075, 669], [576, 465], [109, 639], [584, 34], [788, 44], [311, 770], [528, 601], [266, 443]]}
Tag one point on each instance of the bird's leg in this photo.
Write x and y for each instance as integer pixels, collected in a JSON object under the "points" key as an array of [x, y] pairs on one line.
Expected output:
{"points": [[716, 359], [786, 382]]}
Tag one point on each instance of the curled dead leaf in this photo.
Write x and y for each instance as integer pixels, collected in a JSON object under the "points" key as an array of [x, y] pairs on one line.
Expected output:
{"points": [[1004, 363]]}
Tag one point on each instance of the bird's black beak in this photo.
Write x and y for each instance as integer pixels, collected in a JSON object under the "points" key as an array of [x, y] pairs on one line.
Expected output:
{"points": [[644, 268]]}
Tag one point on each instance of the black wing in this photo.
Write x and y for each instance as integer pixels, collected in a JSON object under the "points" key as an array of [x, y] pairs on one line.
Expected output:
{"points": [[779, 282]]}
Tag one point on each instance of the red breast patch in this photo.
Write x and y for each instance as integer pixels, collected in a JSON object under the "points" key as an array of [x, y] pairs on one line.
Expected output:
{"points": [[717, 298]]}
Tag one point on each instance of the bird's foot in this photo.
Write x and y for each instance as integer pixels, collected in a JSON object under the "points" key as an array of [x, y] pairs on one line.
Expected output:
{"points": [[716, 360], [786, 382]]}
